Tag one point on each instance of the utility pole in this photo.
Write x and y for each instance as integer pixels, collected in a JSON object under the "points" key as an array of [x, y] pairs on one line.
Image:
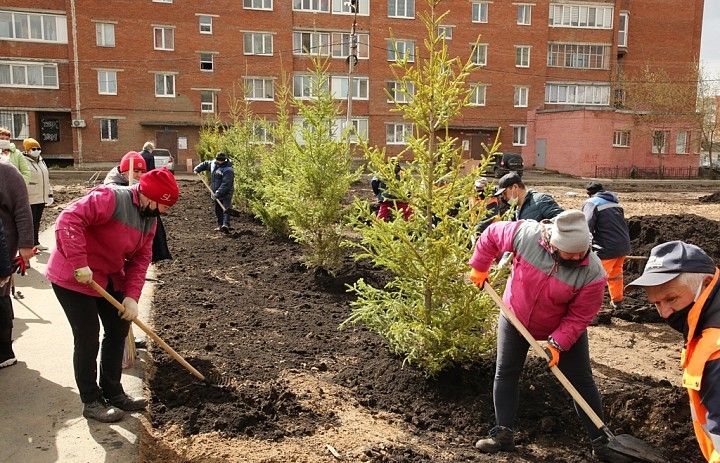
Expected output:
{"points": [[352, 62]]}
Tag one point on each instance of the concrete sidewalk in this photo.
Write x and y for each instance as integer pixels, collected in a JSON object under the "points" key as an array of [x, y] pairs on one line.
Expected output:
{"points": [[40, 410]]}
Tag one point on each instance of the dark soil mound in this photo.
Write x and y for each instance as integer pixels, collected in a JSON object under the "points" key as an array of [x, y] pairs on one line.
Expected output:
{"points": [[648, 231], [244, 307], [711, 198]]}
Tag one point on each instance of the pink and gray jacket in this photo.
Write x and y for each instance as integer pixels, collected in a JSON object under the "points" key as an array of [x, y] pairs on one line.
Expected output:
{"points": [[549, 299], [103, 230]]}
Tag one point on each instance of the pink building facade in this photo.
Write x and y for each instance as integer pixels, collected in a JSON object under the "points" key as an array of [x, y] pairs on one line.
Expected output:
{"points": [[606, 142]]}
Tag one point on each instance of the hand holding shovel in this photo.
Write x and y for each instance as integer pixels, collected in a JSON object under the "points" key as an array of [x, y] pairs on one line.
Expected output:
{"points": [[229, 210]]}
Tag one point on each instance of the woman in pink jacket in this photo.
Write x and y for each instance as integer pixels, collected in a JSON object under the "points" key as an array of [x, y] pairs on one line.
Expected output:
{"points": [[555, 289], [106, 236]]}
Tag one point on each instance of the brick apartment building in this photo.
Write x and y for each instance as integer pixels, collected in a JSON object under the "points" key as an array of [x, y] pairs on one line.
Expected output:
{"points": [[91, 80]]}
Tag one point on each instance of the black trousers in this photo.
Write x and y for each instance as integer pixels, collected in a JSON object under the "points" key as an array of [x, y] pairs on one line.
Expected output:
{"points": [[6, 326], [223, 218], [37, 211], [82, 312]]}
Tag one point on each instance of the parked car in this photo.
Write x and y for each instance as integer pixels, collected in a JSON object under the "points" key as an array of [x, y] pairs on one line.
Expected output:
{"points": [[506, 163], [163, 158]]}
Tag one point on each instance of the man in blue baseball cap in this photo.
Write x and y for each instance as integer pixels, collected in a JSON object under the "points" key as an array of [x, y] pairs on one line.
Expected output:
{"points": [[682, 281]]}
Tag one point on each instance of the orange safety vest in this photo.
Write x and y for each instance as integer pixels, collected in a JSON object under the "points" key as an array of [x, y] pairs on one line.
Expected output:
{"points": [[694, 356]]}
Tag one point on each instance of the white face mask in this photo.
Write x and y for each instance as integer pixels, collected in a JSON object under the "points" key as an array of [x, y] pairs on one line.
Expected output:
{"points": [[699, 291], [34, 153]]}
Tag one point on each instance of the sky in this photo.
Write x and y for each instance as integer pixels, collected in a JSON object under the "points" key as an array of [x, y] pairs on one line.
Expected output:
{"points": [[710, 44]]}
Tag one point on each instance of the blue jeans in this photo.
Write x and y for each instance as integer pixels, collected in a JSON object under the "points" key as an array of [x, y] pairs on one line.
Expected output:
{"points": [[512, 350]]}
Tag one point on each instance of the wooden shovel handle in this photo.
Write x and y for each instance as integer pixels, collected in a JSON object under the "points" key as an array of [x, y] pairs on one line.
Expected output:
{"points": [[149, 331], [541, 352], [202, 179]]}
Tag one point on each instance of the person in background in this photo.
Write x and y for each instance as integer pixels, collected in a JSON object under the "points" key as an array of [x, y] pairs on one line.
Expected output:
{"points": [[106, 237], [11, 154], [17, 220], [530, 204], [490, 203], [606, 220], [40, 192], [386, 201], [147, 155], [120, 174], [555, 289], [684, 284], [222, 184]]}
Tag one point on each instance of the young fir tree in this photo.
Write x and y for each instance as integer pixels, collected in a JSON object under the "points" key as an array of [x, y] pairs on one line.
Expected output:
{"points": [[428, 312], [318, 177], [275, 165]]}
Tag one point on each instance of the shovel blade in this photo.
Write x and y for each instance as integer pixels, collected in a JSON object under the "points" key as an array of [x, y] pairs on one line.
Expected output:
{"points": [[636, 448]]}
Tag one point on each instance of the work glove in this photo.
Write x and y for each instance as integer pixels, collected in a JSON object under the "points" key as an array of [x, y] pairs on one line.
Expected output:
{"points": [[50, 200], [552, 350], [213, 196], [19, 265], [131, 309], [478, 278], [27, 253], [83, 275]]}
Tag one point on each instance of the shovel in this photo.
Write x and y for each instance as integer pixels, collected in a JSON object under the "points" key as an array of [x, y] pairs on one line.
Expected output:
{"points": [[229, 210], [154, 336], [624, 444]]}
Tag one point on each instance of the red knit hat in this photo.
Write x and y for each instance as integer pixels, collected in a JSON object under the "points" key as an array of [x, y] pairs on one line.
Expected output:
{"points": [[138, 162], [159, 185]]}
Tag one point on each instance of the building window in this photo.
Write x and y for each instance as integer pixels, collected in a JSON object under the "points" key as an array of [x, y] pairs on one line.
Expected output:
{"points": [[399, 50], [621, 138], [165, 85], [304, 87], [259, 88], [587, 16], [445, 32], [400, 91], [398, 133], [359, 129], [206, 62], [162, 1], [578, 56], [519, 135], [524, 15], [343, 7], [311, 43], [105, 34], [164, 38], [623, 29], [480, 12], [339, 90], [107, 82], [316, 6], [262, 134], [577, 94], [401, 9], [258, 4], [479, 54], [206, 24], [682, 142], [28, 75], [660, 141], [258, 43], [16, 122], [33, 27], [207, 101], [108, 129], [341, 45], [478, 93], [522, 56], [520, 100]]}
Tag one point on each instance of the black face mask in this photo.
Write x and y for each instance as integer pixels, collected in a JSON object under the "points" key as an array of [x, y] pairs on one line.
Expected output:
{"points": [[148, 213], [678, 320], [569, 263]]}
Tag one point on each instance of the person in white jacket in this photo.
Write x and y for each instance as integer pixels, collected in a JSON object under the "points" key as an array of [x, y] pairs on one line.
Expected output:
{"points": [[40, 191]]}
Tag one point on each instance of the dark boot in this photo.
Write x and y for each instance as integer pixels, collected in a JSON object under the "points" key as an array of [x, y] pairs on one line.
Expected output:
{"points": [[602, 452], [127, 403], [99, 410], [500, 440]]}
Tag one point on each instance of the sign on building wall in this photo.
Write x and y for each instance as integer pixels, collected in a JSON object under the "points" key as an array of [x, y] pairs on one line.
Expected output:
{"points": [[49, 130], [182, 143]]}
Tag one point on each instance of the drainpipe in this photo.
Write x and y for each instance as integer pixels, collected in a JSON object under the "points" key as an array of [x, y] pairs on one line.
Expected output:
{"points": [[76, 76]]}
